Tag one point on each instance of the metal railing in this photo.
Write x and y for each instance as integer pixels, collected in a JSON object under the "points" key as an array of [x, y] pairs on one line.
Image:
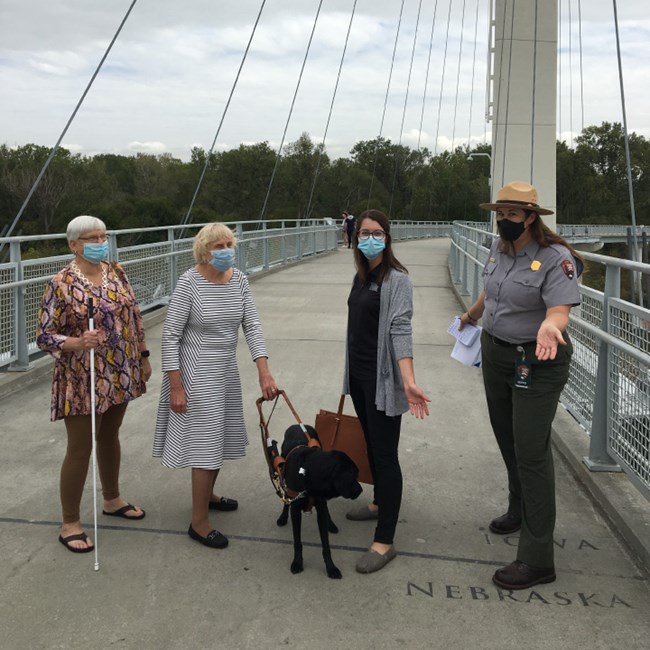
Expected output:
{"points": [[608, 391], [154, 267]]}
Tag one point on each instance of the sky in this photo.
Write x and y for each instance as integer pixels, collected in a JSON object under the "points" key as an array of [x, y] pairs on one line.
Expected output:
{"points": [[164, 85]]}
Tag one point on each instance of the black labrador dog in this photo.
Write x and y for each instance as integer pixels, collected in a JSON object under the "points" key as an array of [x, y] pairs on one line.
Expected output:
{"points": [[317, 476]]}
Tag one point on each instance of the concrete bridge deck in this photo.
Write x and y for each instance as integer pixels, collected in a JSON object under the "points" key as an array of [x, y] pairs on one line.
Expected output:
{"points": [[156, 588]]}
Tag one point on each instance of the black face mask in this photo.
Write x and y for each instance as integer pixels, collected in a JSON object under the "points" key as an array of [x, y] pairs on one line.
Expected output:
{"points": [[510, 230]]}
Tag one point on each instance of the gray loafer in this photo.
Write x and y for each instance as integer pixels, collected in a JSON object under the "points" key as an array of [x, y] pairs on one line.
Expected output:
{"points": [[372, 561], [362, 514]]}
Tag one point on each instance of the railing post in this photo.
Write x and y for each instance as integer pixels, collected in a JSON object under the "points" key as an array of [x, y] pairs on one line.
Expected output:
{"points": [[113, 253], [299, 241], [173, 262], [599, 459], [20, 326], [265, 247]]}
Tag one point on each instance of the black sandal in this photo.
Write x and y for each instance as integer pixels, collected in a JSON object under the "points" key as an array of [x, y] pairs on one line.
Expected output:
{"points": [[73, 538]]}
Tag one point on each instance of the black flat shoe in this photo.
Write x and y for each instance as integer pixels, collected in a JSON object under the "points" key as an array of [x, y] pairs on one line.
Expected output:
{"points": [[214, 539], [519, 575], [224, 504], [505, 524]]}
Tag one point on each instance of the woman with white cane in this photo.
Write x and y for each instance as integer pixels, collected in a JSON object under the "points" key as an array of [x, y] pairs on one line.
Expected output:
{"points": [[93, 426], [90, 323]]}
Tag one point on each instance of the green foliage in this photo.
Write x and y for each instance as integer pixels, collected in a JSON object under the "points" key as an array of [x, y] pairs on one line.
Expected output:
{"points": [[145, 190]]}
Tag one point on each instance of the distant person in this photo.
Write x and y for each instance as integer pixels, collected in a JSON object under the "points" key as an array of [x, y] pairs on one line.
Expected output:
{"points": [[344, 228], [530, 284], [121, 369], [350, 223], [379, 374], [200, 421]]}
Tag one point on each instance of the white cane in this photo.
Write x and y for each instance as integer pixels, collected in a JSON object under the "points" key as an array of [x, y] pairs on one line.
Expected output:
{"points": [[91, 327]]}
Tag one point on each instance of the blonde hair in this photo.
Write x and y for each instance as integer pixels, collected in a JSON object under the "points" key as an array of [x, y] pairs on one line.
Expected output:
{"points": [[208, 234], [79, 225]]}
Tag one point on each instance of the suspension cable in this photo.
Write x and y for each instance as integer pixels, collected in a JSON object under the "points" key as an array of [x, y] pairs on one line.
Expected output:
{"points": [[426, 83], [453, 130], [406, 99], [329, 115], [582, 97], [471, 97], [186, 219], [471, 103], [383, 115], [628, 161], [293, 102], [67, 126], [442, 79], [559, 70], [426, 78], [570, 76], [460, 56]]}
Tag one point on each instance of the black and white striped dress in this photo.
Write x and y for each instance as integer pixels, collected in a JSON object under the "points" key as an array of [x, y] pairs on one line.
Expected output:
{"points": [[200, 339]]}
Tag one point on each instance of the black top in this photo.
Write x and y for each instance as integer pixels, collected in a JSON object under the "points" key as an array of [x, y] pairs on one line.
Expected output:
{"points": [[363, 326]]}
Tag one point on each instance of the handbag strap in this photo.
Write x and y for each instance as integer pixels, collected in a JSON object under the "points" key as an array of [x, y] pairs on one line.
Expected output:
{"points": [[341, 401]]}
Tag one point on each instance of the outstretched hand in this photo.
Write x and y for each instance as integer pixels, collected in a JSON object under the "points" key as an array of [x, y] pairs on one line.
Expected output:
{"points": [[417, 401], [548, 338]]}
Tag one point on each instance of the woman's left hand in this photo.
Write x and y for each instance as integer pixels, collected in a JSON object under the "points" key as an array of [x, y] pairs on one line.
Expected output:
{"points": [[549, 335], [146, 368], [548, 338], [417, 401]]}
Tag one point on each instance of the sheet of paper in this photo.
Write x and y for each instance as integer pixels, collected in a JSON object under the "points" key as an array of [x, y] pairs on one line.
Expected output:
{"points": [[467, 335], [469, 355]]}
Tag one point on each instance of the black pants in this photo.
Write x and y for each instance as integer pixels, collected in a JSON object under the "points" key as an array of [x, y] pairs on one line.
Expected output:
{"points": [[521, 419], [382, 439]]}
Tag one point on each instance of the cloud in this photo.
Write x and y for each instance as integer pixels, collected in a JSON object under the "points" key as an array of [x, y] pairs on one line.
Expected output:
{"points": [[169, 75], [147, 147]]}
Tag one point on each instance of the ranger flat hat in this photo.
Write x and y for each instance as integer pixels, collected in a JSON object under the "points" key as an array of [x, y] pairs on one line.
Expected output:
{"points": [[517, 195]]}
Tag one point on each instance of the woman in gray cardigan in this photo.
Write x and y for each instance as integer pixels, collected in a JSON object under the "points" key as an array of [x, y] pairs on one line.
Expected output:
{"points": [[379, 374]]}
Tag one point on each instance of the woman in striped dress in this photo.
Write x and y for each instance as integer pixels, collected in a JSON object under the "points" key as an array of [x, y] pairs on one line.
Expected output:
{"points": [[200, 419]]}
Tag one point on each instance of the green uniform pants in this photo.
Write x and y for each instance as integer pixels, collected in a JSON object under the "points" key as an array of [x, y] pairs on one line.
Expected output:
{"points": [[521, 419]]}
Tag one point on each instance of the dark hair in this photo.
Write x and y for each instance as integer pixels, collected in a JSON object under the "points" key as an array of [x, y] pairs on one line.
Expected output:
{"points": [[389, 261], [544, 236]]}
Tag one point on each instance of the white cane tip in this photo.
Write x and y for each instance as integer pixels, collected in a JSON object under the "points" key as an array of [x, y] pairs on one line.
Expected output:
{"points": [[96, 567]]}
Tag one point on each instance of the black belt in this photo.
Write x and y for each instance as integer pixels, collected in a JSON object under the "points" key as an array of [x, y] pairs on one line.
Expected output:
{"points": [[507, 344]]}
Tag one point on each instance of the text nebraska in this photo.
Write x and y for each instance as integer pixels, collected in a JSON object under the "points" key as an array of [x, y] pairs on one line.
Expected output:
{"points": [[495, 594]]}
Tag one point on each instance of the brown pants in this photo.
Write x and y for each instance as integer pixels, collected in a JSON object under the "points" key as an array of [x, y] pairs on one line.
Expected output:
{"points": [[75, 464]]}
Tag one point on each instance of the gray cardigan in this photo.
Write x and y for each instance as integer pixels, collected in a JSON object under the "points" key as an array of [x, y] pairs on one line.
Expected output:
{"points": [[394, 342]]}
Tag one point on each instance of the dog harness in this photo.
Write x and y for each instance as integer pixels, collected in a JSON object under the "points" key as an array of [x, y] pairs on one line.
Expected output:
{"points": [[275, 461]]}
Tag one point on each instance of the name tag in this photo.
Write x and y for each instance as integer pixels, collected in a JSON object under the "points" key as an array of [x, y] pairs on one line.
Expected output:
{"points": [[523, 370]]}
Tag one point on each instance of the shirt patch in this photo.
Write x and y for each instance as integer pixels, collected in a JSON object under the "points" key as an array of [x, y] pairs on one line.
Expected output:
{"points": [[569, 269], [373, 286], [535, 265]]}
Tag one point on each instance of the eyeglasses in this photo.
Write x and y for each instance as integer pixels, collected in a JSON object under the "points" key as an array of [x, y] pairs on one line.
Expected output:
{"points": [[94, 240], [377, 235]]}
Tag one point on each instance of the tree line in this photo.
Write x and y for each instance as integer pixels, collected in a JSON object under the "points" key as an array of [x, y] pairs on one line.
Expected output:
{"points": [[145, 190]]}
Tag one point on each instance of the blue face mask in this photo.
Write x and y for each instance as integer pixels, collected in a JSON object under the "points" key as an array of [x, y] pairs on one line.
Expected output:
{"points": [[95, 253], [371, 247], [223, 259]]}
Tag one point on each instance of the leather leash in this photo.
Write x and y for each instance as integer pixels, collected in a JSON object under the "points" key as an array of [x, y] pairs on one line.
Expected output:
{"points": [[275, 461]]}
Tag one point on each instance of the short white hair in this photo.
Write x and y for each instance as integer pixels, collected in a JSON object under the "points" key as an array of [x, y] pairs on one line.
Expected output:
{"points": [[211, 232], [82, 224]]}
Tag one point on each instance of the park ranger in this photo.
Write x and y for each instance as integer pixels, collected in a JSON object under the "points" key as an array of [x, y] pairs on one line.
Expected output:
{"points": [[530, 283]]}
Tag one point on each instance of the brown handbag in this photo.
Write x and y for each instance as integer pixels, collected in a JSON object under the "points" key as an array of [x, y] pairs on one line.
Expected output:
{"points": [[344, 433]]}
